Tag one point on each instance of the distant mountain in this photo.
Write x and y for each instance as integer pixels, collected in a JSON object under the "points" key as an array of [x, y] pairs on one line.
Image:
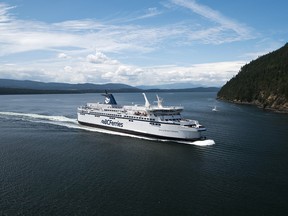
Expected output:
{"points": [[8, 84], [197, 89], [169, 86], [263, 82]]}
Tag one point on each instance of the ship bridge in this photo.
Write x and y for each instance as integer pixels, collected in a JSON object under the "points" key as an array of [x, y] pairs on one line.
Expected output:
{"points": [[165, 110]]}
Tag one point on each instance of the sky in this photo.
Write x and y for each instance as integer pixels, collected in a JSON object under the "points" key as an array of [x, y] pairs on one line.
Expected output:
{"points": [[151, 42]]}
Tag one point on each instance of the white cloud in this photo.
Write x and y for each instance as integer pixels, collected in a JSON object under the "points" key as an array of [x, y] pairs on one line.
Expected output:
{"points": [[4, 9], [208, 74], [24, 35], [79, 25], [63, 56], [151, 12], [100, 58], [242, 32], [68, 69], [97, 58]]}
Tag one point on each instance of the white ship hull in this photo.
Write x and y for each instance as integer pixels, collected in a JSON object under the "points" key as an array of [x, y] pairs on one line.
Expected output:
{"points": [[160, 121], [138, 127]]}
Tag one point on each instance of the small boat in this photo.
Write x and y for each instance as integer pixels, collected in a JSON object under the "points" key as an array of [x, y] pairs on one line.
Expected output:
{"points": [[215, 109]]}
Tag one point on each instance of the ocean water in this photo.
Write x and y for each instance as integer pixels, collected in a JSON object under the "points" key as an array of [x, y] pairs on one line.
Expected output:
{"points": [[50, 165]]}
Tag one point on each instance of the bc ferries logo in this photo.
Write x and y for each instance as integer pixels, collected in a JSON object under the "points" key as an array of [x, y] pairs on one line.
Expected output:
{"points": [[107, 100], [112, 123]]}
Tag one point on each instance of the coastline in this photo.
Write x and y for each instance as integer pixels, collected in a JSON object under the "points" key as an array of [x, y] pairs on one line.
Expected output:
{"points": [[282, 110]]}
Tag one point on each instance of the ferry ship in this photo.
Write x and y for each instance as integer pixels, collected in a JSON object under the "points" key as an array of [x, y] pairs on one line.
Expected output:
{"points": [[157, 121]]}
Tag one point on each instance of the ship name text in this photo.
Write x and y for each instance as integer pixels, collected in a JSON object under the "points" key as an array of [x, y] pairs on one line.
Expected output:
{"points": [[112, 123]]}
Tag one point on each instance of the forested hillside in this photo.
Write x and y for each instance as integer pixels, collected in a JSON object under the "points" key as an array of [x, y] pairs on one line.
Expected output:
{"points": [[263, 82]]}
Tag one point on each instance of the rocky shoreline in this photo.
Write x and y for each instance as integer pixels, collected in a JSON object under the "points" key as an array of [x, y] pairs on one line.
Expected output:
{"points": [[266, 107]]}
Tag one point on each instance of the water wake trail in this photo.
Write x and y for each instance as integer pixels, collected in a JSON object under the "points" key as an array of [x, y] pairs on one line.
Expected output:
{"points": [[72, 123], [38, 118], [31, 116], [206, 142]]}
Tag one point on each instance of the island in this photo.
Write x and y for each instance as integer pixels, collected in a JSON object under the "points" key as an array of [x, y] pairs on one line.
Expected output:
{"points": [[262, 82]]}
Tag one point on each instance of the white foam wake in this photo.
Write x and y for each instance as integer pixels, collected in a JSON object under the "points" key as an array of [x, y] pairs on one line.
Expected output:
{"points": [[38, 116], [207, 142], [72, 123], [32, 116]]}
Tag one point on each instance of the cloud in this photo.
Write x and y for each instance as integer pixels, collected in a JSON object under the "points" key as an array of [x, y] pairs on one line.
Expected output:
{"points": [[97, 58], [63, 56], [207, 74], [225, 24], [4, 9], [100, 58], [68, 69], [24, 35], [151, 12]]}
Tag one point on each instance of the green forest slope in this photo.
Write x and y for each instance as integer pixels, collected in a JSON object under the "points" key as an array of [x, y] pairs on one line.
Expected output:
{"points": [[263, 82]]}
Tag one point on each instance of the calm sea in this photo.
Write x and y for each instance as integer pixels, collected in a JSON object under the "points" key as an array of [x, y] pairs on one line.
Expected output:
{"points": [[49, 165]]}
